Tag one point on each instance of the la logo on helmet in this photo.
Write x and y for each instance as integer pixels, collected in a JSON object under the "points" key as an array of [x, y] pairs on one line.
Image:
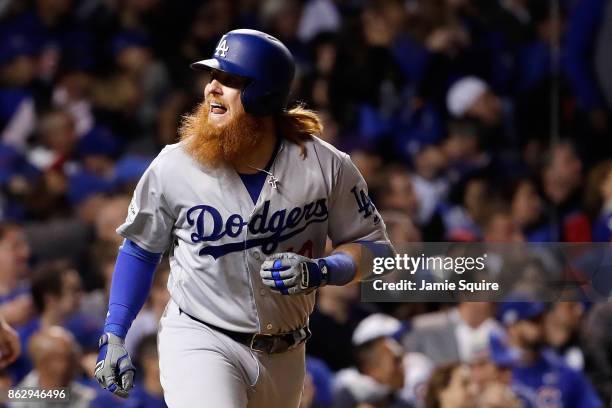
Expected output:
{"points": [[222, 48]]}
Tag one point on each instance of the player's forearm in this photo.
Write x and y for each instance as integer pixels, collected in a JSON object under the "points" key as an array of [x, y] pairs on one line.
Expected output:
{"points": [[132, 280], [355, 252]]}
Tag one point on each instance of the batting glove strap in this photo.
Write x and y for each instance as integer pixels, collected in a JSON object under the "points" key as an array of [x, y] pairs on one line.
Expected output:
{"points": [[292, 274], [114, 368]]}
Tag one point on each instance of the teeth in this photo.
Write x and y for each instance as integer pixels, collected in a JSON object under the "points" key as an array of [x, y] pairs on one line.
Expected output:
{"points": [[216, 105]]}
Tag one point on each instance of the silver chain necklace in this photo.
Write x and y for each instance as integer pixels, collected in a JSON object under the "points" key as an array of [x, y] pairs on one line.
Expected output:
{"points": [[272, 180]]}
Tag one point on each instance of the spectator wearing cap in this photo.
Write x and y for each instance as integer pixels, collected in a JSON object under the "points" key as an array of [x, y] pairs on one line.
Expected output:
{"points": [[379, 373], [539, 375], [452, 335], [494, 363], [471, 98]]}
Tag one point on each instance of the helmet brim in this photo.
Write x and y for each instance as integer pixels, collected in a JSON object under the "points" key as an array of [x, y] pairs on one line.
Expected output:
{"points": [[205, 65]]}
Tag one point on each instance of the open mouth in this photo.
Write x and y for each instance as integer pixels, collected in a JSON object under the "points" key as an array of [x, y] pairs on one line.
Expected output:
{"points": [[217, 108]]}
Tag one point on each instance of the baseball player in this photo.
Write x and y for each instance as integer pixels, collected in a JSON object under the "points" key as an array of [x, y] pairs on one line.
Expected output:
{"points": [[244, 204]]}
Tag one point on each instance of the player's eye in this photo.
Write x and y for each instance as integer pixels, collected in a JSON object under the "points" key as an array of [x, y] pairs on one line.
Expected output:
{"points": [[231, 81]]}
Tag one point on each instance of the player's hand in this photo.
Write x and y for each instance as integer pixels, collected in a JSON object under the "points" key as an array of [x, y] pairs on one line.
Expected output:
{"points": [[10, 347], [114, 369], [291, 274]]}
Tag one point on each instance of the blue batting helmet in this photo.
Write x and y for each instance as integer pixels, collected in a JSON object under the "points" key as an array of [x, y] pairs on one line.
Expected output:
{"points": [[260, 58]]}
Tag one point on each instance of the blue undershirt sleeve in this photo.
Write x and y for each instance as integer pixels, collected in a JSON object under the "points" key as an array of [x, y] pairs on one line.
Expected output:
{"points": [[132, 280], [341, 269]]}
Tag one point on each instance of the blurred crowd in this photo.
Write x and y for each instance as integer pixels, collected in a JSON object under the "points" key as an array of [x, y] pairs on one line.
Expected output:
{"points": [[471, 120]]}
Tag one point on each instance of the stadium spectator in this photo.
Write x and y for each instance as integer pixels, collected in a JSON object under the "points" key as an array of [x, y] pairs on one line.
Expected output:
{"points": [[539, 375], [527, 212], [54, 354], [56, 293], [450, 385], [456, 113], [452, 335], [561, 179], [562, 325], [15, 301], [379, 372], [598, 200], [332, 323], [597, 341], [148, 392]]}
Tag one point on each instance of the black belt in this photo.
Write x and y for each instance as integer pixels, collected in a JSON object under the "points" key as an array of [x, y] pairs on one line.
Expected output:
{"points": [[265, 343]]}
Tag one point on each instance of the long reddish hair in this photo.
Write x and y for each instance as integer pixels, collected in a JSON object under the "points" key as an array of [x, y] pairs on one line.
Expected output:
{"points": [[298, 125]]}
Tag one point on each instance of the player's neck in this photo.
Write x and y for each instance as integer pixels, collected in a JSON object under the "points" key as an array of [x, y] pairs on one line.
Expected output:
{"points": [[258, 157]]}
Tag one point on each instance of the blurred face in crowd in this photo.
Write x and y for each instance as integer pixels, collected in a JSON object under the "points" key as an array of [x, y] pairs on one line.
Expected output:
{"points": [[475, 198], [498, 395], [459, 147], [460, 391], [134, 59], [16, 250], [20, 71], [565, 166], [58, 132], [502, 228], [429, 162], [70, 298], [475, 313], [221, 130], [54, 7], [526, 204], [400, 193], [400, 228], [369, 166], [605, 188], [55, 356], [528, 334], [565, 314], [487, 109], [112, 214], [386, 363], [483, 371]]}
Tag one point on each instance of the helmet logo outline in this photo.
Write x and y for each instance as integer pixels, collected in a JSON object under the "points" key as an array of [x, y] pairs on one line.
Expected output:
{"points": [[222, 47]]}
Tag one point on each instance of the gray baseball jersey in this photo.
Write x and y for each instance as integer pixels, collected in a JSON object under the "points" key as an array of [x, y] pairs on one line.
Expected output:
{"points": [[218, 239]]}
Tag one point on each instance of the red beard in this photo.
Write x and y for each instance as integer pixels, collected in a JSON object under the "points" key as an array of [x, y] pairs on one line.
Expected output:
{"points": [[212, 145]]}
